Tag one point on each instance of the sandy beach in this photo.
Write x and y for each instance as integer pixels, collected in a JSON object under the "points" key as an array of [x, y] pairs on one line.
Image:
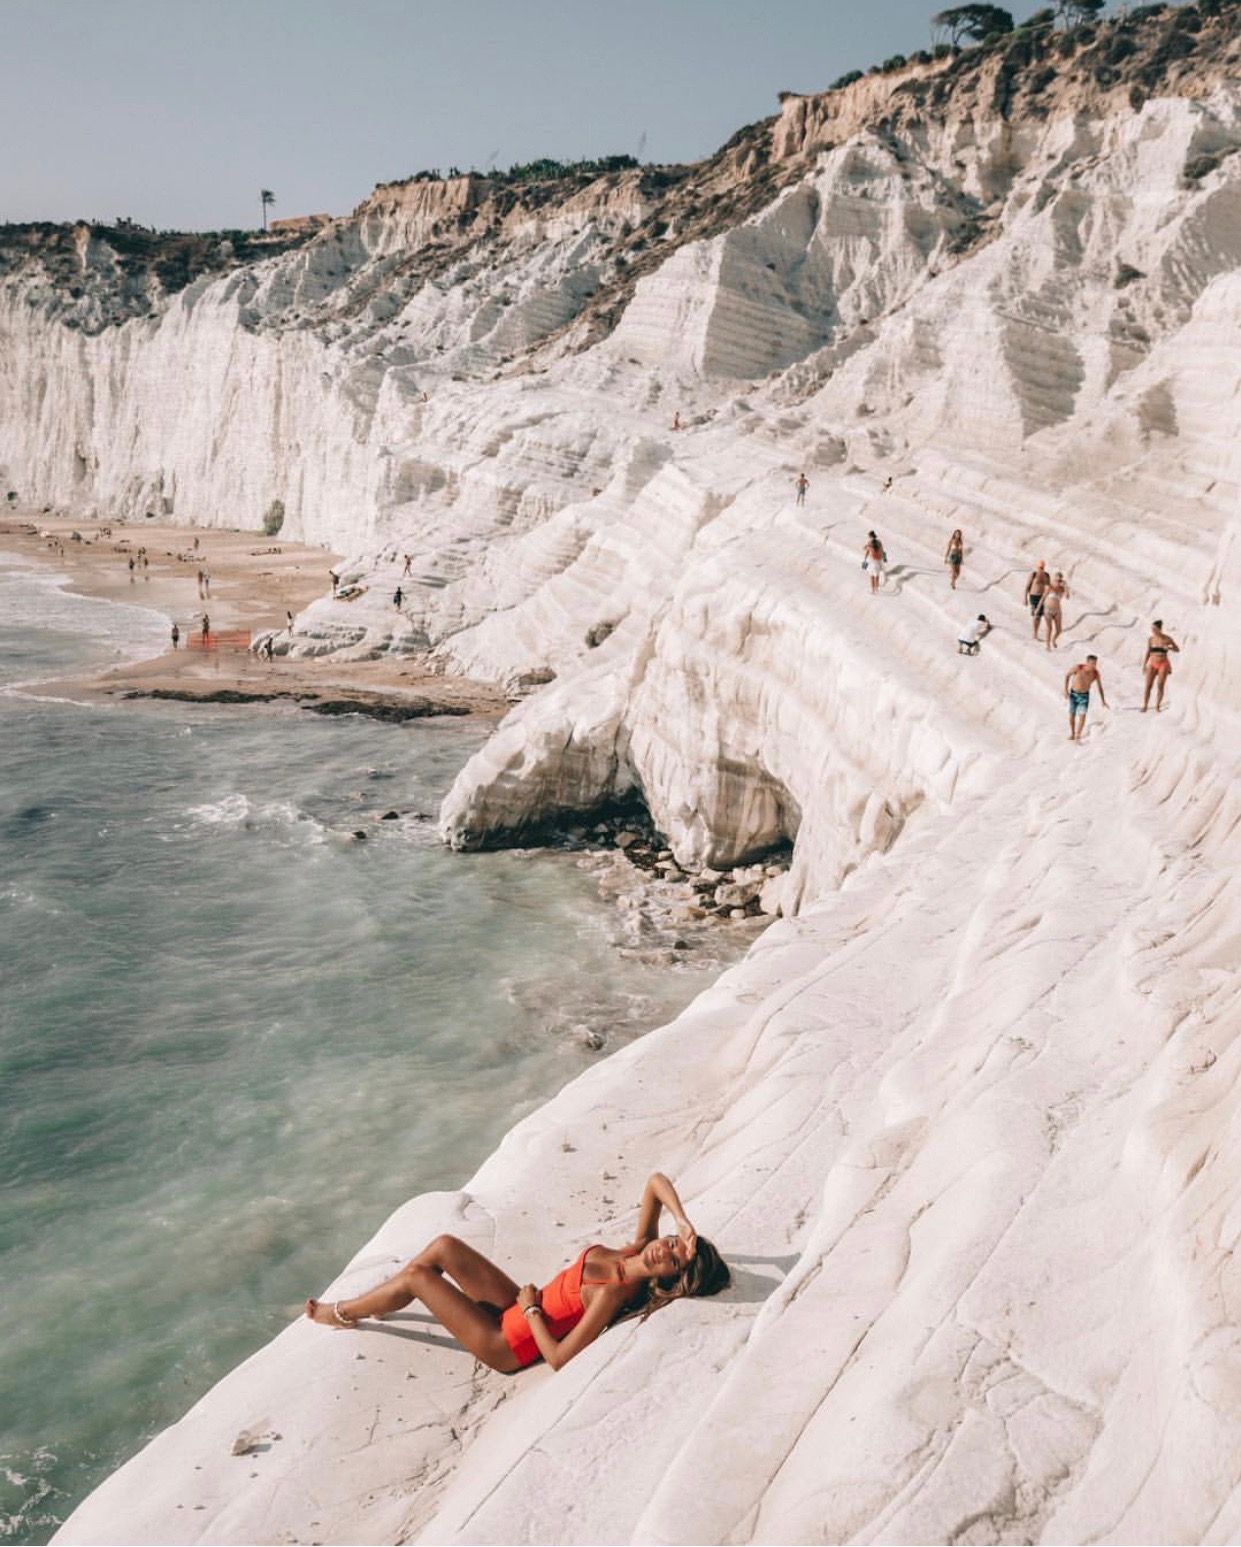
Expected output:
{"points": [[253, 581]]}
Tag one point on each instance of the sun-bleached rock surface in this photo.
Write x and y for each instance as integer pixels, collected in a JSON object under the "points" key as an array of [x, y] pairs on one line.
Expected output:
{"points": [[966, 1118]]}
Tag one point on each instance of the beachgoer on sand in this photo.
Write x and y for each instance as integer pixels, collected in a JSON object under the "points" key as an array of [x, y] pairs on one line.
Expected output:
{"points": [[509, 1327], [334, 578], [288, 620], [972, 635], [206, 627], [1077, 684], [676, 420], [408, 562], [874, 557], [1053, 611], [398, 596], [802, 484], [176, 636], [1036, 590], [1157, 666], [954, 557]]}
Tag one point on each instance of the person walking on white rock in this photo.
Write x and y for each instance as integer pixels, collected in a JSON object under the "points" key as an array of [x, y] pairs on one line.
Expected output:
{"points": [[1053, 613], [1157, 666], [954, 557], [874, 557], [972, 635], [1036, 590], [1077, 685], [509, 1327], [398, 596], [802, 484]]}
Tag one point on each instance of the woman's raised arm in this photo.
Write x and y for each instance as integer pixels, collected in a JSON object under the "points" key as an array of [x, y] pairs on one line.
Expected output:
{"points": [[657, 1195]]}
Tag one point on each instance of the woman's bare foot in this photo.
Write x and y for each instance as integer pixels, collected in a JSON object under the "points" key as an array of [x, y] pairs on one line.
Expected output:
{"points": [[330, 1315]]}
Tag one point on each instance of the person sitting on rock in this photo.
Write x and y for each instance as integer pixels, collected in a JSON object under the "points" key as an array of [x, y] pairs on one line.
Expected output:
{"points": [[972, 635], [509, 1327]]}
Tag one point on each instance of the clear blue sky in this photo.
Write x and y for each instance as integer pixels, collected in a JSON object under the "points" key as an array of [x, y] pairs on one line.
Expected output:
{"points": [[176, 112]]}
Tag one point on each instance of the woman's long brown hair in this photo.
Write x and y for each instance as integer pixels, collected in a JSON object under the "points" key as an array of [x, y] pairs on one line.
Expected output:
{"points": [[706, 1273]]}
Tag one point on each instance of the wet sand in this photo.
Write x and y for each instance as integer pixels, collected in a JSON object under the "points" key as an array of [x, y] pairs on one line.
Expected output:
{"points": [[253, 581]]}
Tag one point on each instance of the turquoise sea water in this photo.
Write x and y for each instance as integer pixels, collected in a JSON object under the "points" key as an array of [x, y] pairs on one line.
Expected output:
{"points": [[233, 1039]]}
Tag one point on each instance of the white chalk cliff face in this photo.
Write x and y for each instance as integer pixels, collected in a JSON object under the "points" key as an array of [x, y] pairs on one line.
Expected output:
{"points": [[966, 1120]]}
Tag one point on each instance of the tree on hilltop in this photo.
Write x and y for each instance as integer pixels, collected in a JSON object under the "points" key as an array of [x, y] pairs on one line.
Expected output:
{"points": [[266, 197], [976, 23], [1074, 12]]}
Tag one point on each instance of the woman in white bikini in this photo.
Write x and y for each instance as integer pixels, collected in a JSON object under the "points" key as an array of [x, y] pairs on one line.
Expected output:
{"points": [[1056, 593], [873, 558]]}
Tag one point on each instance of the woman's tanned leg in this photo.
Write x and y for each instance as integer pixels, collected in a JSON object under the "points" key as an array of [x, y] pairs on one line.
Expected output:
{"points": [[469, 1313], [476, 1274], [476, 1329]]}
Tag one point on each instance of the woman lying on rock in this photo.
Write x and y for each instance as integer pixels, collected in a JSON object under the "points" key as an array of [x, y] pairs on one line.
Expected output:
{"points": [[509, 1328]]}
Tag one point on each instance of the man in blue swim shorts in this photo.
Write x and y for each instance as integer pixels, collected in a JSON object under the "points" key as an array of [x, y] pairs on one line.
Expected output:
{"points": [[1077, 685]]}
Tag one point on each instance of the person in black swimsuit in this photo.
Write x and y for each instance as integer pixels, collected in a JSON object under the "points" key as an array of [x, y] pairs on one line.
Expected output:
{"points": [[1157, 666], [954, 557], [1037, 587]]}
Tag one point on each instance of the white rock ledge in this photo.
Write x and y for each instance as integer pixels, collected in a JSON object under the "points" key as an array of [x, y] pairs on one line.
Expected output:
{"points": [[966, 1121]]}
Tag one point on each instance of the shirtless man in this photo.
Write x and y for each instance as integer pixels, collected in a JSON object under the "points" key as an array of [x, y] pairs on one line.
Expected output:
{"points": [[802, 484], [1036, 589], [1077, 684]]}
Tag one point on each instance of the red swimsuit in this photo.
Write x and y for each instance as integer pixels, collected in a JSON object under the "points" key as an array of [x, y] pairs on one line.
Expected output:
{"points": [[562, 1310]]}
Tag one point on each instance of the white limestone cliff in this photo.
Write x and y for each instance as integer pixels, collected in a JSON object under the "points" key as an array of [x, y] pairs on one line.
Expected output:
{"points": [[964, 1118]]}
